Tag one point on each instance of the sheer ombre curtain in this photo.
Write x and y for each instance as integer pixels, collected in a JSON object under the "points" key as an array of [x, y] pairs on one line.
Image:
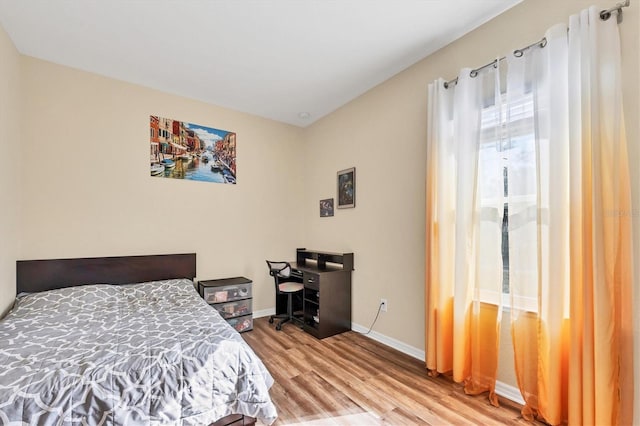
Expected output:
{"points": [[464, 218], [569, 228], [555, 138]]}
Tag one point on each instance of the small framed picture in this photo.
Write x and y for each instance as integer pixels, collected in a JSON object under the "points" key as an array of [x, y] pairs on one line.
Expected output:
{"points": [[347, 188], [326, 207]]}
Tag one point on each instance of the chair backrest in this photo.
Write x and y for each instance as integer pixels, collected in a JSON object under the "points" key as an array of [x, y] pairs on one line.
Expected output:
{"points": [[281, 272], [279, 269]]}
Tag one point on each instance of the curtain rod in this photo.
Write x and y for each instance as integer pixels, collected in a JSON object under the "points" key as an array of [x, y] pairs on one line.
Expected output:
{"points": [[604, 15]]}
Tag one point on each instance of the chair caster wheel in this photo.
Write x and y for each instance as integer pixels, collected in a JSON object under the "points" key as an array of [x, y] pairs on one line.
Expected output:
{"points": [[270, 320], [279, 327]]}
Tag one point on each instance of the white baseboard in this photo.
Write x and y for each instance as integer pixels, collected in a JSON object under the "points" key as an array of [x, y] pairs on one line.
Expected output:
{"points": [[502, 389], [510, 392], [391, 342], [264, 313]]}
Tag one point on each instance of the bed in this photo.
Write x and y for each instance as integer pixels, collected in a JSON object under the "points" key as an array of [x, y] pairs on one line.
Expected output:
{"points": [[84, 345]]}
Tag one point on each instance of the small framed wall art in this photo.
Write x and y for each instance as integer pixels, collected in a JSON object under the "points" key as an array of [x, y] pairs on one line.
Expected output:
{"points": [[326, 207], [347, 188]]}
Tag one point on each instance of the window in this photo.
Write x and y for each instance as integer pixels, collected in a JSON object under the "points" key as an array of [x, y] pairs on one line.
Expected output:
{"points": [[505, 235], [507, 135]]}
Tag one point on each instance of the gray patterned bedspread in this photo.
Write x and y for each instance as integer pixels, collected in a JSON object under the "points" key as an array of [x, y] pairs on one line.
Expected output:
{"points": [[151, 353]]}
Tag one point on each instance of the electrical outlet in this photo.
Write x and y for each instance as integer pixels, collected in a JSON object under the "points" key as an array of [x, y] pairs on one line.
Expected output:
{"points": [[383, 305]]}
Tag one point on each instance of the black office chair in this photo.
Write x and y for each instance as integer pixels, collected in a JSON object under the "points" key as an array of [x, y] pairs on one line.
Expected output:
{"points": [[285, 284]]}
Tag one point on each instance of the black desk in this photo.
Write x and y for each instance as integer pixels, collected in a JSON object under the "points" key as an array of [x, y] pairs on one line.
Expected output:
{"points": [[327, 291]]}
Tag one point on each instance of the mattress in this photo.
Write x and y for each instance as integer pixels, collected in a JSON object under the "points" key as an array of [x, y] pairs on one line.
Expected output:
{"points": [[149, 353]]}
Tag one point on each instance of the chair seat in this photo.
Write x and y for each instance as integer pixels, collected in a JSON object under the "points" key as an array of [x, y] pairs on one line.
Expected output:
{"points": [[290, 287]]}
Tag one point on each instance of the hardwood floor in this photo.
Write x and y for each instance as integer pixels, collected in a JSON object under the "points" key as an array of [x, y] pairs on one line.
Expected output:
{"points": [[350, 379]]}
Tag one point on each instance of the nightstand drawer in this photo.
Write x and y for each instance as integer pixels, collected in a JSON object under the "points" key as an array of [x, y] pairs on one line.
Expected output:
{"points": [[241, 324], [231, 297], [226, 294], [234, 309]]}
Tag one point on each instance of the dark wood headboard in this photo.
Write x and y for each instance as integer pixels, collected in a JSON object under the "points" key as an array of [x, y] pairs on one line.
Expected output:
{"points": [[49, 274]]}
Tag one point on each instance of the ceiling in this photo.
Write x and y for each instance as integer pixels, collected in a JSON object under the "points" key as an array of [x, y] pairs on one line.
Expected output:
{"points": [[271, 58]]}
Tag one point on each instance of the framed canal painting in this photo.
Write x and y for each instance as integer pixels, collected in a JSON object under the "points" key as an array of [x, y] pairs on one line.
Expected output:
{"points": [[347, 188], [182, 150], [326, 207]]}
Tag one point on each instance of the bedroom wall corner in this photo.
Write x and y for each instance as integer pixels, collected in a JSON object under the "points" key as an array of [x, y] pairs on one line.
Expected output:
{"points": [[10, 189]]}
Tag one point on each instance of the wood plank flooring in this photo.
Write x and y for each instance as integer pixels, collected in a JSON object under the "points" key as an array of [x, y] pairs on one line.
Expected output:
{"points": [[350, 379]]}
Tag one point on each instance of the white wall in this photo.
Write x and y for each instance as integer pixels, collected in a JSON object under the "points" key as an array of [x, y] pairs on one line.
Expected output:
{"points": [[10, 144], [88, 191], [383, 134]]}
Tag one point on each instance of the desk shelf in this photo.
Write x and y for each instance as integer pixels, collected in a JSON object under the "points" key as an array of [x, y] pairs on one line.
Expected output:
{"points": [[312, 308], [324, 260]]}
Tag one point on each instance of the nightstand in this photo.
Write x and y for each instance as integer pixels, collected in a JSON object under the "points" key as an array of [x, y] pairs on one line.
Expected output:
{"points": [[232, 298]]}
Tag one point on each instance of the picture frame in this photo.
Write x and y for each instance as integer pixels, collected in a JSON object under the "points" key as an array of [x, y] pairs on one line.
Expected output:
{"points": [[347, 188], [326, 207], [189, 151]]}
